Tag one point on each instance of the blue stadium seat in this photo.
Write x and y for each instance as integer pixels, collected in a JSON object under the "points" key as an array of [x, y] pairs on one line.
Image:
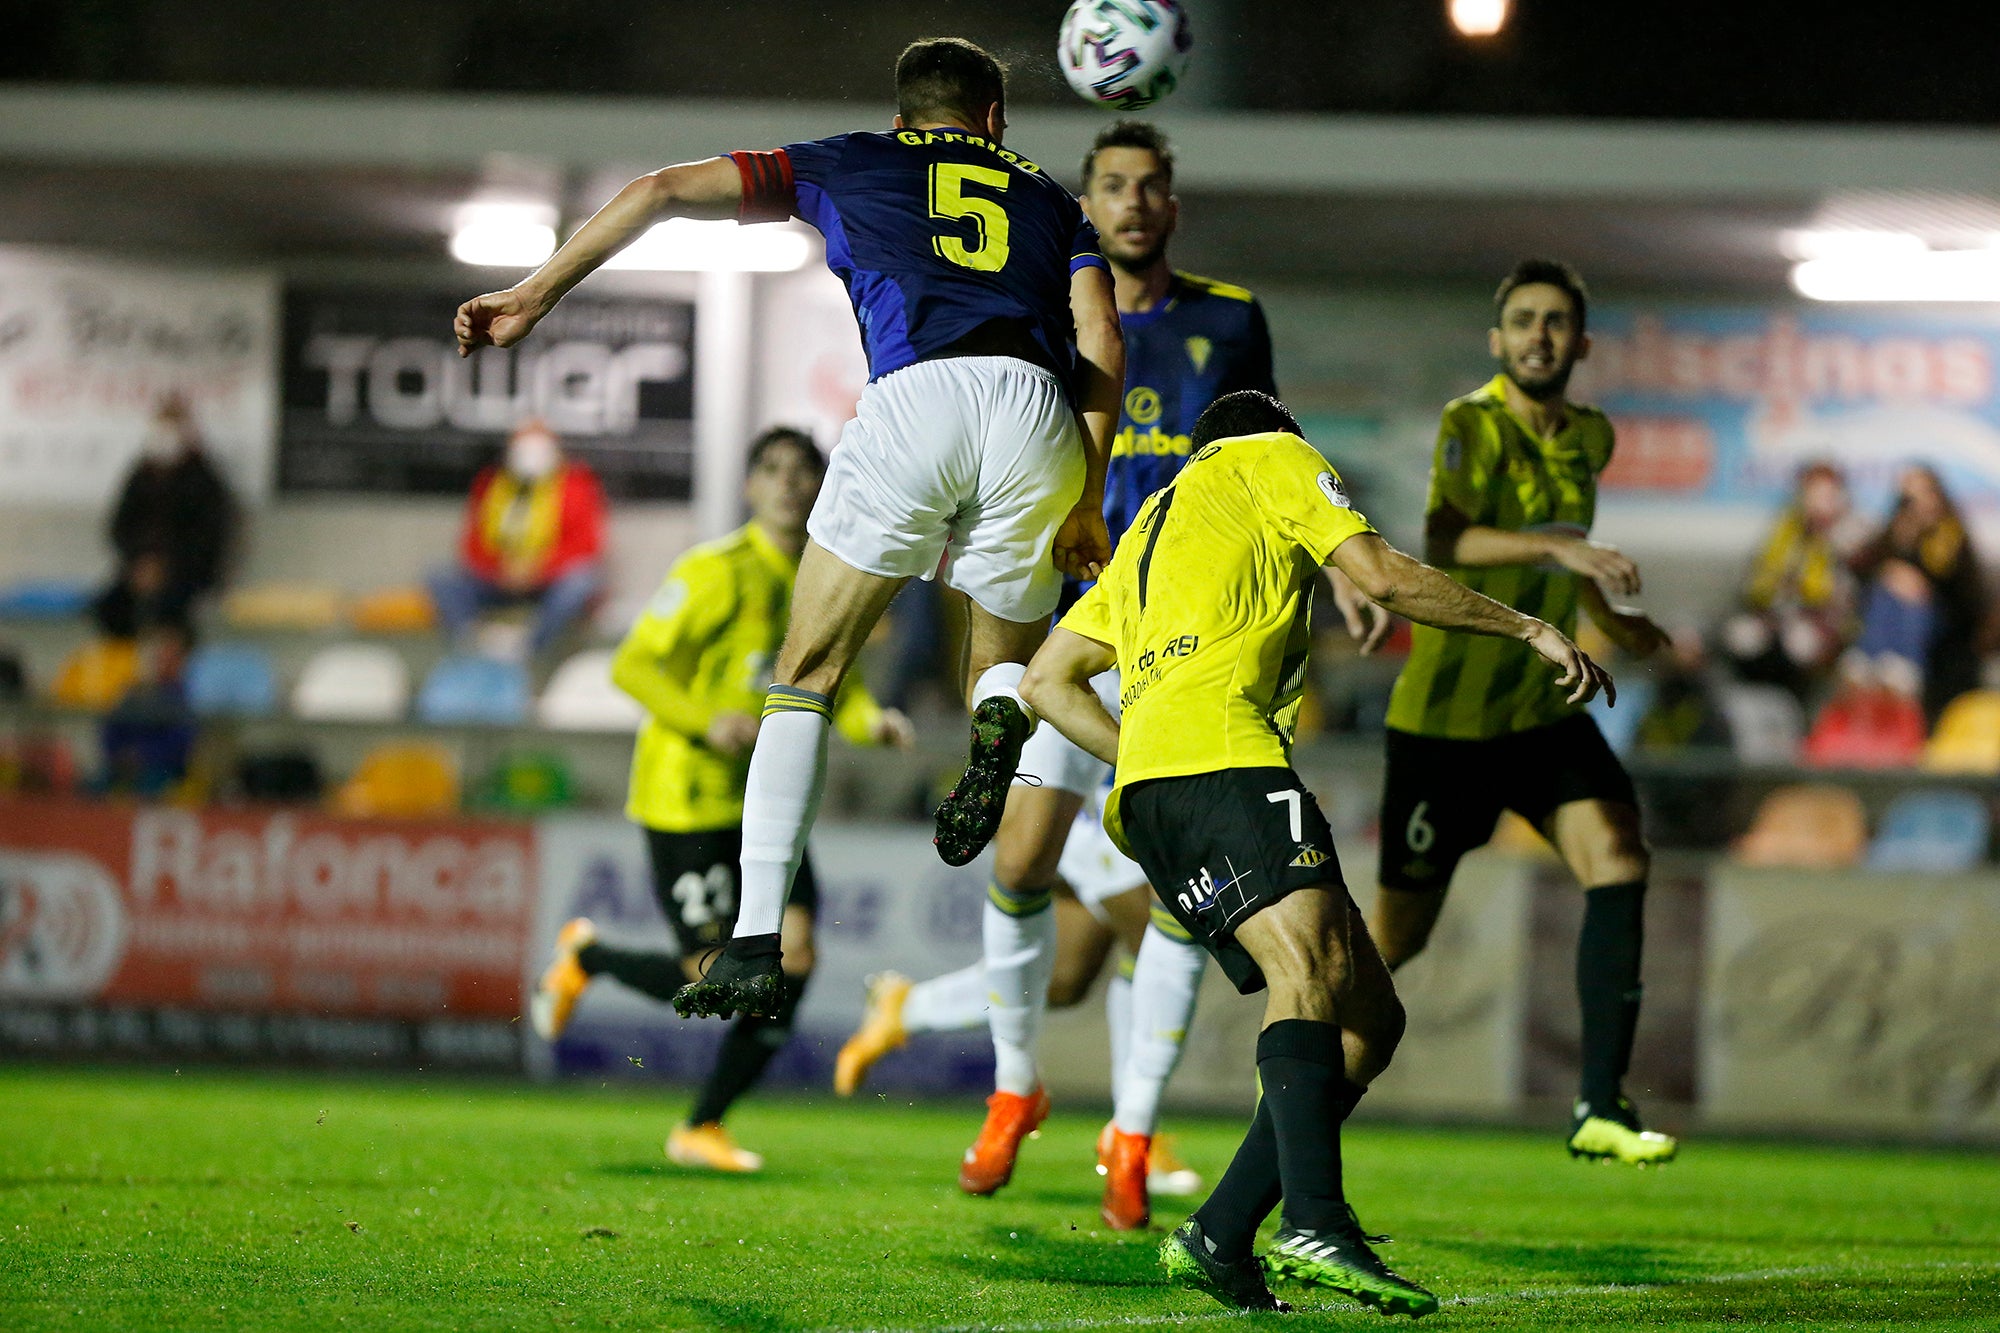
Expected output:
{"points": [[234, 679], [1935, 832], [44, 599], [467, 688], [1620, 725]]}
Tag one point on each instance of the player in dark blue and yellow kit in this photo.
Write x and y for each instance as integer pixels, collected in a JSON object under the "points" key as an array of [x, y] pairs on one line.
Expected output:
{"points": [[1206, 610], [1063, 896], [977, 451]]}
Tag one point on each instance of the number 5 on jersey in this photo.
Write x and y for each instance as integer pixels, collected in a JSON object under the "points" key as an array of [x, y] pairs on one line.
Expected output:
{"points": [[988, 253]]}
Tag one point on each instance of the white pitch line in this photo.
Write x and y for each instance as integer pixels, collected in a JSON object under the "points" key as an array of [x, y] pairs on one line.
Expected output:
{"points": [[1456, 1302]]}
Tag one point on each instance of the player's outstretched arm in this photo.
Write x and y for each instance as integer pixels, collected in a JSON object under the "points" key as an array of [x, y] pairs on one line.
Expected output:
{"points": [[1450, 538], [1412, 588], [1057, 685], [1083, 546], [710, 189]]}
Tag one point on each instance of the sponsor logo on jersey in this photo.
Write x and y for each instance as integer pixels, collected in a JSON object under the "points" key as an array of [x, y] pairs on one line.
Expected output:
{"points": [[1155, 442], [1143, 405], [1199, 350], [1199, 895], [1329, 486]]}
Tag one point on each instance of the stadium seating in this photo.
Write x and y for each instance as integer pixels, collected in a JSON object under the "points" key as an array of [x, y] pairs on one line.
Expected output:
{"points": [[581, 697], [96, 675], [401, 780], [527, 782], [1870, 728], [353, 682], [467, 688], [232, 679], [1809, 826], [1967, 739], [44, 599], [1933, 832], [393, 611], [1620, 725], [1766, 724], [283, 606]]}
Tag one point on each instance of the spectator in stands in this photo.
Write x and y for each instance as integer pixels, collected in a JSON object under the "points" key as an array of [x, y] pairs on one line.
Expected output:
{"points": [[149, 738], [534, 533], [174, 528], [1685, 711], [1923, 605], [1799, 600]]}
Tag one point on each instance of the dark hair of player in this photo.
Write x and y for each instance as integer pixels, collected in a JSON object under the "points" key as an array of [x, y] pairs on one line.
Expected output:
{"points": [[1130, 134], [1245, 412], [781, 437], [947, 78], [1552, 272]]}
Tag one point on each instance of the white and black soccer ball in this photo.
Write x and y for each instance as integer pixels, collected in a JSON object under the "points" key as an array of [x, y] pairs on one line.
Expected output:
{"points": [[1124, 53]]}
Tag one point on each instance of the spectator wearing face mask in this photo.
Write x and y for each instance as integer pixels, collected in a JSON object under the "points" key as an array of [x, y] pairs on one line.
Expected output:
{"points": [[534, 533], [173, 529]]}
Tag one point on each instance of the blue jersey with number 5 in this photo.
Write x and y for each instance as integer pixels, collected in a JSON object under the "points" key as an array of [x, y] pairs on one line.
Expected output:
{"points": [[935, 233]]}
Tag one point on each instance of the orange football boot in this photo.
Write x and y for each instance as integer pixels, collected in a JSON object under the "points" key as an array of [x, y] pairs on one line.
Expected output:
{"points": [[563, 983], [1010, 1117], [1126, 1206], [710, 1147], [881, 1031]]}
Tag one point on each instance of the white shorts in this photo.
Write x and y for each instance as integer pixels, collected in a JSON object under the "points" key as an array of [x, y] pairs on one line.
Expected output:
{"points": [[1091, 863], [1051, 759], [970, 460]]}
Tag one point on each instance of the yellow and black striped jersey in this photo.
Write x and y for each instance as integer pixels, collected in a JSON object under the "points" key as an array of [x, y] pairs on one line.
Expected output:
{"points": [[705, 646], [1499, 474]]}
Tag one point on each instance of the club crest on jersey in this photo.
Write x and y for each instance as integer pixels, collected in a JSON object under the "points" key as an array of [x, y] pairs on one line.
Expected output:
{"points": [[1310, 858], [1199, 350], [1329, 486]]}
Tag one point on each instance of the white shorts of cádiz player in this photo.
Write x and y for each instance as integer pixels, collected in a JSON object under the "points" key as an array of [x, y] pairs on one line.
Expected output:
{"points": [[972, 460]]}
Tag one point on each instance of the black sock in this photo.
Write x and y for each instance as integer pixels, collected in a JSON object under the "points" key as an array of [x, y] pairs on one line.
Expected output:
{"points": [[1306, 1087], [1607, 986], [644, 970], [746, 1052], [1246, 1194], [753, 946]]}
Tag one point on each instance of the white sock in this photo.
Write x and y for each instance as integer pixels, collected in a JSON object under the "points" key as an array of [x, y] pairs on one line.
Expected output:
{"points": [[1118, 1020], [953, 1002], [1165, 982], [1004, 678], [780, 799], [1020, 956]]}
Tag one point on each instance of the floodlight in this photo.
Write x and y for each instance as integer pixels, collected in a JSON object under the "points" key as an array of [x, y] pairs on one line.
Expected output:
{"points": [[1479, 18], [511, 235]]}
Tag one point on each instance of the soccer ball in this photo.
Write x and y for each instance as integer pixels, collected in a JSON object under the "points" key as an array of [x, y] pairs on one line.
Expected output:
{"points": [[1124, 53]]}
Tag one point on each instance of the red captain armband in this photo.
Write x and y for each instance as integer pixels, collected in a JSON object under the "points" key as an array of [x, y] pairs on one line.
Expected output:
{"points": [[768, 195]]}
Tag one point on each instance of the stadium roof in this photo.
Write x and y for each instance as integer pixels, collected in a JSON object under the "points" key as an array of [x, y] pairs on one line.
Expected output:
{"points": [[288, 176]]}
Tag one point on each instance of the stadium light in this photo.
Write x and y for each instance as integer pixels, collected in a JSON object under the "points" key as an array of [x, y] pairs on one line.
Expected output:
{"points": [[510, 235], [1904, 274], [1479, 18], [1851, 244], [685, 245]]}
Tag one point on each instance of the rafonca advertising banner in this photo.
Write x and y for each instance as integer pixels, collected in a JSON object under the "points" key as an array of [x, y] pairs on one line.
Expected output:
{"points": [[378, 399], [88, 349], [1723, 405], [154, 910]]}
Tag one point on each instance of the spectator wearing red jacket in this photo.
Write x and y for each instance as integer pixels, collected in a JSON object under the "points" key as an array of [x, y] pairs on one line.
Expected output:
{"points": [[534, 532]]}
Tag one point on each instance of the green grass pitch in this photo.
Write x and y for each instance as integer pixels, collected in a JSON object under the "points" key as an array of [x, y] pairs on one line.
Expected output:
{"points": [[153, 1200]]}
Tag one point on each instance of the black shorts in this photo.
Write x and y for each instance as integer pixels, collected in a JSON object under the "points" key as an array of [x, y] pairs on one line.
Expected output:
{"points": [[695, 879], [1220, 847], [1441, 798]]}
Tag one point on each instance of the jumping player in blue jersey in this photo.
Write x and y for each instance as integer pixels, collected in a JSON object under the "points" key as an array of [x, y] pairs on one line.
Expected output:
{"points": [[978, 451], [1063, 896]]}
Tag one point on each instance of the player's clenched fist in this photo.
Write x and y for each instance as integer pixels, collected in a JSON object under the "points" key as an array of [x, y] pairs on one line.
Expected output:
{"points": [[497, 319], [1083, 544]]}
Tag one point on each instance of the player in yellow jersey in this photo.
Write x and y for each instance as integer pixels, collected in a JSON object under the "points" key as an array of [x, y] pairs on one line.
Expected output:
{"points": [[1205, 611], [699, 659], [1512, 495]]}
